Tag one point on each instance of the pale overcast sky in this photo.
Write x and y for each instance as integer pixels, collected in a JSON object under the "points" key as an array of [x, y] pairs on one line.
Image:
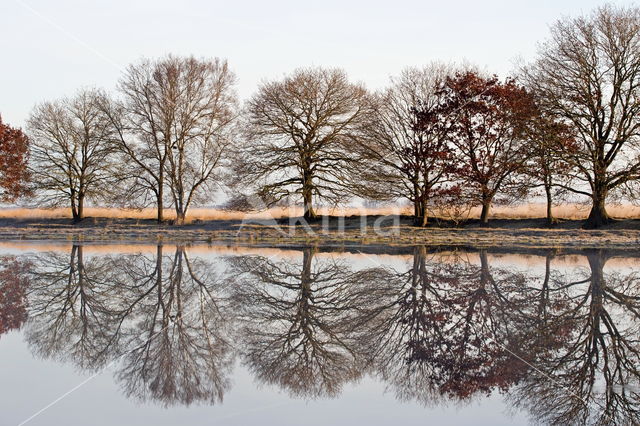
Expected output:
{"points": [[50, 48]]}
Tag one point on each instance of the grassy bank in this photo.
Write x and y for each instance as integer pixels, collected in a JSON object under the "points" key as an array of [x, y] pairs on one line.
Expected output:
{"points": [[624, 233]]}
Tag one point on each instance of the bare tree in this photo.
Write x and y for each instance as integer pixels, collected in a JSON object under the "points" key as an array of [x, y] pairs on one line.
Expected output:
{"points": [[297, 134], [175, 124], [547, 168], [407, 152], [72, 150], [587, 75]]}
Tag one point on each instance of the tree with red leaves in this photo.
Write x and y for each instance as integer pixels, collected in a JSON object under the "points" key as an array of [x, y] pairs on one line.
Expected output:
{"points": [[488, 135], [14, 152]]}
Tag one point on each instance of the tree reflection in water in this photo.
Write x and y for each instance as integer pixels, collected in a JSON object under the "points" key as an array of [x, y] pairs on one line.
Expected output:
{"points": [[179, 350], [298, 321], [594, 376], [14, 283], [73, 314], [163, 317], [564, 346], [448, 328]]}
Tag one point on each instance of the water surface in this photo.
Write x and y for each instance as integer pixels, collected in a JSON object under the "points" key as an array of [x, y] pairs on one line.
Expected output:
{"points": [[210, 335]]}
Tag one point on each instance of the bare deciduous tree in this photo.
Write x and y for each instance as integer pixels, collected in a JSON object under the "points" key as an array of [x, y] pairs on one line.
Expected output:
{"points": [[174, 125], [297, 136], [550, 141], [72, 151], [587, 75], [407, 153]]}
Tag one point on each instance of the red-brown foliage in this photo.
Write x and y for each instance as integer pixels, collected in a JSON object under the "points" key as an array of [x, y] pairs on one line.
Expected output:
{"points": [[488, 134], [14, 152]]}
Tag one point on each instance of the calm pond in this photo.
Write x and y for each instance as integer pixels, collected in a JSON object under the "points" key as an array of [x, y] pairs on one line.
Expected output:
{"points": [[207, 335]]}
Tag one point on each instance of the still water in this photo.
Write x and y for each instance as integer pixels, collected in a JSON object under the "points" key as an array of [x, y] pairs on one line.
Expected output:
{"points": [[201, 335]]}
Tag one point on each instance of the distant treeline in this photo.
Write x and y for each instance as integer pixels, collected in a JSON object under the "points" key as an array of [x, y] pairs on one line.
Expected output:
{"points": [[443, 136]]}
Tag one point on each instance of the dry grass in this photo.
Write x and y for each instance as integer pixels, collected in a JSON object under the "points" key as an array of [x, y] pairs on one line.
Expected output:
{"points": [[567, 211], [194, 214], [524, 211]]}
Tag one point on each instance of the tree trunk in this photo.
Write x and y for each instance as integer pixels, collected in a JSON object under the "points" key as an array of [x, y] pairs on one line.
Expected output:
{"points": [[486, 206], [418, 212], [550, 219], [417, 209], [544, 291], [74, 214], [485, 271], [306, 280], [425, 215], [180, 217], [597, 260], [598, 215], [74, 209], [160, 196], [80, 207], [307, 196], [424, 220], [80, 262], [73, 260], [309, 212], [419, 266], [159, 275]]}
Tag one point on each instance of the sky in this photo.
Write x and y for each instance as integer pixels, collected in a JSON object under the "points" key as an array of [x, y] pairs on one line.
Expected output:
{"points": [[50, 49]]}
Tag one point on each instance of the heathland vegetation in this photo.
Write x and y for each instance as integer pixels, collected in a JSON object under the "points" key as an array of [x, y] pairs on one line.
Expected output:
{"points": [[443, 137]]}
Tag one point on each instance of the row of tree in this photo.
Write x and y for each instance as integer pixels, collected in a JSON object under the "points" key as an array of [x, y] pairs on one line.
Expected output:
{"points": [[439, 136]]}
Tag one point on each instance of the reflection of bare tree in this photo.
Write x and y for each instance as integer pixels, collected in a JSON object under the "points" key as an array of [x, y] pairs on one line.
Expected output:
{"points": [[14, 282], [594, 377], [449, 328], [566, 347], [72, 314], [161, 316], [178, 351], [298, 324]]}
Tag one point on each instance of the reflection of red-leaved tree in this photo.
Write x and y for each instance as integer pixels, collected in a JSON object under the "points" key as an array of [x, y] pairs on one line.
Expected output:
{"points": [[454, 329], [13, 297]]}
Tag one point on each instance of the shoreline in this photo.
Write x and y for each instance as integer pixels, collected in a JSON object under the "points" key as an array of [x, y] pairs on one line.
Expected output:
{"points": [[525, 233]]}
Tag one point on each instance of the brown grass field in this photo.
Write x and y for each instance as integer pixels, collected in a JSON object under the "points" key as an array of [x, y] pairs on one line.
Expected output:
{"points": [[522, 211], [512, 226]]}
